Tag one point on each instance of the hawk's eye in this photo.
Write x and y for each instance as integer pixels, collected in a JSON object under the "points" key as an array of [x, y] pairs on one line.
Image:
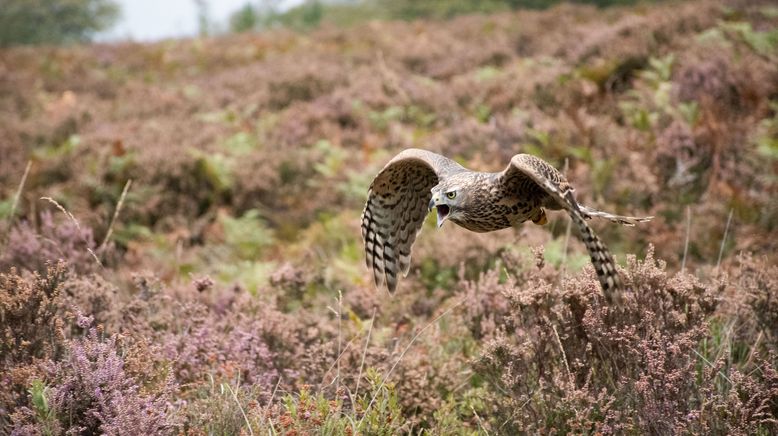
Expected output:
{"points": [[451, 195]]}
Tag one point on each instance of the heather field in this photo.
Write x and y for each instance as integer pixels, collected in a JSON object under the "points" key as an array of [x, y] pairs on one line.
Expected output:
{"points": [[182, 254]]}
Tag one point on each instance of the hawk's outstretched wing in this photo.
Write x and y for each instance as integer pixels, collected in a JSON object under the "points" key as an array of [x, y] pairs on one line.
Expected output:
{"points": [[523, 172], [396, 207]]}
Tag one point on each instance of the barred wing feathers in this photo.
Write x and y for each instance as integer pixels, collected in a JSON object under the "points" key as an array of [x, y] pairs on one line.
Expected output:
{"points": [[396, 207]]}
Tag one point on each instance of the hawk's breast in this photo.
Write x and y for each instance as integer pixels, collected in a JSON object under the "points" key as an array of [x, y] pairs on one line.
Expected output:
{"points": [[494, 210]]}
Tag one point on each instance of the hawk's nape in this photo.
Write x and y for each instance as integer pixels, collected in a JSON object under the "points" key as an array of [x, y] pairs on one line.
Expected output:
{"points": [[397, 204]]}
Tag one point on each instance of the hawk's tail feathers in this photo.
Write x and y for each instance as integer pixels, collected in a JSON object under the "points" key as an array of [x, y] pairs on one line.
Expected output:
{"points": [[588, 213], [601, 259]]}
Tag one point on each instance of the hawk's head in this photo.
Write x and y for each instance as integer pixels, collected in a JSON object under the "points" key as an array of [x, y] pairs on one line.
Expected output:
{"points": [[450, 198]]}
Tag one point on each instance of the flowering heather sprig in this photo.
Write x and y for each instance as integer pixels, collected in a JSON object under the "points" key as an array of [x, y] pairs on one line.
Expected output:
{"points": [[203, 284], [83, 321], [226, 347], [92, 392]]}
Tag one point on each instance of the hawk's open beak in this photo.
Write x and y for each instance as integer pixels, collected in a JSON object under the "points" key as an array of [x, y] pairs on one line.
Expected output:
{"points": [[443, 212], [442, 209]]}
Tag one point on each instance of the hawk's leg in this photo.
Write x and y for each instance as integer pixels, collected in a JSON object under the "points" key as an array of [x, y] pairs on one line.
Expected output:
{"points": [[539, 217]]}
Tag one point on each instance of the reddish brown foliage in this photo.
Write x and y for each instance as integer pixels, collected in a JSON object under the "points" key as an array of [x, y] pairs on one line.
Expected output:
{"points": [[250, 157]]}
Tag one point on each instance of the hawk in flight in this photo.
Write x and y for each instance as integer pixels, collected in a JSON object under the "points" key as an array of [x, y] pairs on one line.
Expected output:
{"points": [[416, 181]]}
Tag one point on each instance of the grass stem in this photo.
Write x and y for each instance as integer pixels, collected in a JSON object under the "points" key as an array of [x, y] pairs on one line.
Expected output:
{"points": [[405, 350], [115, 215], [75, 222], [724, 239], [240, 407], [364, 352], [19, 190]]}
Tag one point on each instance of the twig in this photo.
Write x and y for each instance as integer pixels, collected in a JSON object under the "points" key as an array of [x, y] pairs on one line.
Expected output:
{"points": [[712, 366], [272, 430], [686, 244], [245, 418], [407, 347], [515, 412], [273, 395], [480, 422], [564, 355], [753, 348], [19, 190], [364, 352], [340, 320], [353, 423], [115, 214], [75, 221], [346, 348], [724, 239], [726, 348]]}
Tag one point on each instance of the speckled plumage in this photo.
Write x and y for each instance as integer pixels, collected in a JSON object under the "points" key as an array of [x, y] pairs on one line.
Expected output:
{"points": [[416, 180]]}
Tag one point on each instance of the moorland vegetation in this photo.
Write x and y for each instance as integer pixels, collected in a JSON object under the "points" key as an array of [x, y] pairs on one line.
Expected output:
{"points": [[223, 290]]}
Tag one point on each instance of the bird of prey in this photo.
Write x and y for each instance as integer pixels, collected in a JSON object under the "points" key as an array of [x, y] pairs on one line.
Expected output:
{"points": [[416, 181]]}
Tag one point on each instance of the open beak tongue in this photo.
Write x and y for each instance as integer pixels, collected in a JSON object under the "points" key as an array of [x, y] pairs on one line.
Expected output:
{"points": [[443, 212]]}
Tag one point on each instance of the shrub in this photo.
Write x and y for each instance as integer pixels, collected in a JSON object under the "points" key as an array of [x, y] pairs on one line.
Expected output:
{"points": [[30, 315], [561, 361], [91, 392], [32, 331]]}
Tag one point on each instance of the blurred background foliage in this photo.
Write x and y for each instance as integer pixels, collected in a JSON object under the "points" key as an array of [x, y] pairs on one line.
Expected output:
{"points": [[266, 13], [54, 21], [69, 21]]}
